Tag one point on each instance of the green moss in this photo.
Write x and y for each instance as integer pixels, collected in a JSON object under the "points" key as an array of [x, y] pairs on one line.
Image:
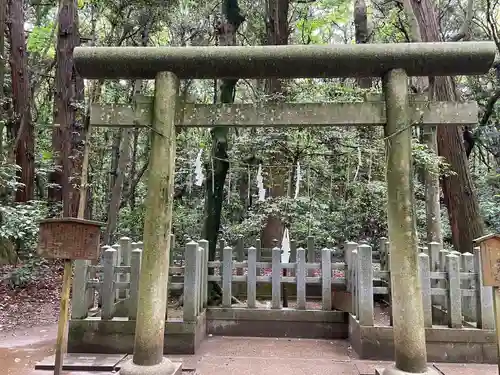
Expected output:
{"points": [[76, 330]]}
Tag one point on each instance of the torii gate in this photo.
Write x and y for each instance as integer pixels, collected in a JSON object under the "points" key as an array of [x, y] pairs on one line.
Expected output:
{"points": [[393, 62]]}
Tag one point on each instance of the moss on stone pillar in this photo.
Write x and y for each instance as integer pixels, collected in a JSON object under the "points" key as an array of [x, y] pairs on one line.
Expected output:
{"points": [[409, 333], [150, 326]]}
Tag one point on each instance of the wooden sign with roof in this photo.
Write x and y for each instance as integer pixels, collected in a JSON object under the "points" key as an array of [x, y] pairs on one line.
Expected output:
{"points": [[490, 258]]}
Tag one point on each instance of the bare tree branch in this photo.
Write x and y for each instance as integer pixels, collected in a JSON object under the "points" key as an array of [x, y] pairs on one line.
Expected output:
{"points": [[490, 18], [489, 108], [466, 25]]}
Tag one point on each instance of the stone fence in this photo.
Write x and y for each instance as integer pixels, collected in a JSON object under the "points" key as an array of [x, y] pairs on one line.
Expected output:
{"points": [[239, 272], [452, 289], [451, 282]]}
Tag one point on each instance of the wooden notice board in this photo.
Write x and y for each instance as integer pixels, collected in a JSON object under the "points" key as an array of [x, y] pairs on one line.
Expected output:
{"points": [[490, 259]]}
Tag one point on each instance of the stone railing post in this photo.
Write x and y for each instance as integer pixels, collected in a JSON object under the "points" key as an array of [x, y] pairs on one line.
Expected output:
{"points": [[80, 300], [425, 280], [326, 279], [468, 302], [135, 272], [190, 301], [354, 283], [204, 282], [349, 248], [276, 278], [252, 278], [301, 278], [454, 308], [485, 315], [126, 252], [108, 284], [365, 285], [227, 276]]}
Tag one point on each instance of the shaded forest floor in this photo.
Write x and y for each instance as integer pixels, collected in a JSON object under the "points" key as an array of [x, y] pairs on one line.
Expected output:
{"points": [[36, 303]]}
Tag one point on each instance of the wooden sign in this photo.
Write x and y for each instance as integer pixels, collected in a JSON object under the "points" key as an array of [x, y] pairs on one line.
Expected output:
{"points": [[69, 238], [490, 259]]}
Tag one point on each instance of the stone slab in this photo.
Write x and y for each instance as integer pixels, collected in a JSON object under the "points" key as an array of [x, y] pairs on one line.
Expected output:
{"points": [[151, 370], [51, 372], [368, 367], [444, 345], [381, 371], [116, 336], [273, 366], [84, 362], [285, 349], [189, 362], [466, 369]]}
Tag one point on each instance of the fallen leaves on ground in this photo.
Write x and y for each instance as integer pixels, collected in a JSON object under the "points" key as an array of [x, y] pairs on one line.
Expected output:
{"points": [[37, 304]]}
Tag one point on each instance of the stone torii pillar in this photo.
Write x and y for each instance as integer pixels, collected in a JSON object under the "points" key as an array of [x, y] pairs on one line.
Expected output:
{"points": [[407, 310], [148, 356], [393, 62]]}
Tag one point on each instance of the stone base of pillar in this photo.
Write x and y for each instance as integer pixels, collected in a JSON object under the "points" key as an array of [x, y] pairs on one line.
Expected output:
{"points": [[392, 370], [166, 367]]}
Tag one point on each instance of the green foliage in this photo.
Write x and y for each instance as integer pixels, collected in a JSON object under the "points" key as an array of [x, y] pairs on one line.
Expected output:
{"points": [[8, 179], [19, 224], [319, 23], [32, 269], [41, 40], [426, 159], [489, 198]]}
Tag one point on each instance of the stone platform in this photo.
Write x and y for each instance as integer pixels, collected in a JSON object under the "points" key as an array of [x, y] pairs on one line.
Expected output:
{"points": [[264, 356]]}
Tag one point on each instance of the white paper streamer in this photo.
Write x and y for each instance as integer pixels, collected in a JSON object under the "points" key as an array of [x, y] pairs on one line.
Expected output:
{"points": [[198, 170], [297, 181], [260, 185], [285, 247], [229, 185]]}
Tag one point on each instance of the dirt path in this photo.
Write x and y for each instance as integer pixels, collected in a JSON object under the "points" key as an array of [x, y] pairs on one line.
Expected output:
{"points": [[20, 350], [28, 316]]}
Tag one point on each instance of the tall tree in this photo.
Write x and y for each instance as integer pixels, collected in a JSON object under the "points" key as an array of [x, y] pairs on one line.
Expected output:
{"points": [[277, 32], [429, 176], [21, 129], [460, 197], [218, 166], [3, 24], [67, 133], [362, 33], [124, 137]]}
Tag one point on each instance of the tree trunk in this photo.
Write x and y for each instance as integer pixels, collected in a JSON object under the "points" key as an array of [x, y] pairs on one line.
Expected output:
{"points": [[22, 131], [3, 26], [133, 169], [78, 136], [429, 137], [115, 157], [362, 34], [218, 167], [277, 28], [117, 189], [67, 136], [432, 192], [460, 197]]}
